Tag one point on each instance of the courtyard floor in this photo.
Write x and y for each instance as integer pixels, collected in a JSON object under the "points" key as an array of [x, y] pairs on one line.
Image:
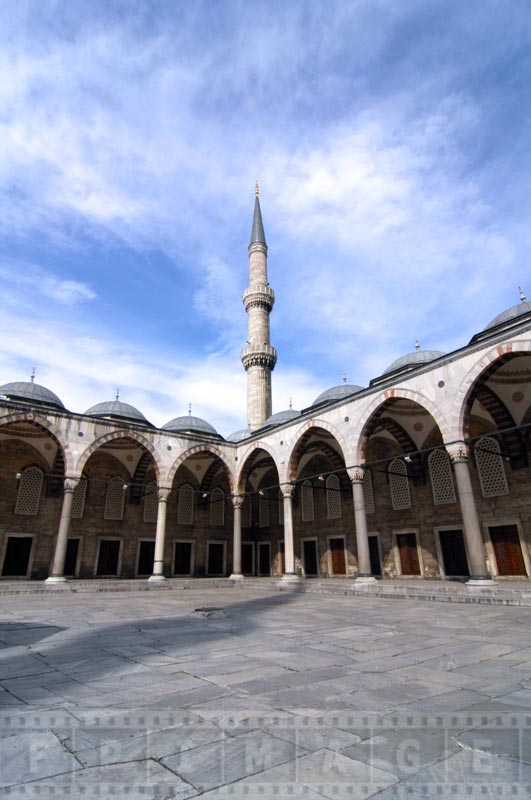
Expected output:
{"points": [[139, 695]]}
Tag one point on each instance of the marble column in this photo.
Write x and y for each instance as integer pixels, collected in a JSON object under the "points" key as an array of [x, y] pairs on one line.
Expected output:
{"points": [[237, 502], [289, 546], [58, 567], [479, 575], [160, 536], [356, 475]]}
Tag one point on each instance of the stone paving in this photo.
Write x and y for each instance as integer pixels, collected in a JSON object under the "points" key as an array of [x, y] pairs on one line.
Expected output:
{"points": [[278, 695]]}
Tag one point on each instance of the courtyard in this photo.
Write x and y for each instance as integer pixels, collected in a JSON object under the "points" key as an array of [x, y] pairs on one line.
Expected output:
{"points": [[235, 693]]}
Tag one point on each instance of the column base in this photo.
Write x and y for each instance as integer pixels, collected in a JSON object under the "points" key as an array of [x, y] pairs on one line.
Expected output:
{"points": [[482, 580], [365, 579], [291, 577], [236, 576], [56, 579], [156, 579]]}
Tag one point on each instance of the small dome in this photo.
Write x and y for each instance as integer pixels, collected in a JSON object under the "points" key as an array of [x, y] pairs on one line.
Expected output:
{"points": [[281, 416], [239, 436], [115, 409], [189, 424], [414, 359], [337, 393], [32, 392], [510, 314]]}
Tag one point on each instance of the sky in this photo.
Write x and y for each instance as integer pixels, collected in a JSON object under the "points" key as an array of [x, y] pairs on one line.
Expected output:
{"points": [[391, 141]]}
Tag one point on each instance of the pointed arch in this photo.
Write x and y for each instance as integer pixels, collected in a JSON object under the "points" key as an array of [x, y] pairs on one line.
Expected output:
{"points": [[304, 434], [142, 441], [207, 449], [52, 429], [246, 457]]}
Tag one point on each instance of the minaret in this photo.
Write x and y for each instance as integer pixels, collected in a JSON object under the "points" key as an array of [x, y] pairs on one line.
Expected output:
{"points": [[258, 357]]}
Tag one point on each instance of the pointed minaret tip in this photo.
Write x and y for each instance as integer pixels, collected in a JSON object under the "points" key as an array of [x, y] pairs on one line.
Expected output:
{"points": [[256, 189], [257, 231]]}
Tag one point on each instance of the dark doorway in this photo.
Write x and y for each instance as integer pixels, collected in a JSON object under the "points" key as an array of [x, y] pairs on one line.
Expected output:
{"points": [[18, 551], [264, 558], [282, 552], [506, 544], [454, 553], [215, 558], [409, 557], [72, 550], [247, 558], [374, 555], [146, 557], [108, 557], [310, 557], [337, 552], [182, 562]]}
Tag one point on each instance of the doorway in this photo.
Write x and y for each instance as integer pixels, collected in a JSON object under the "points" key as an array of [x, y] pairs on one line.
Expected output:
{"points": [[309, 555], [215, 558], [455, 562], [247, 558], [182, 558], [408, 553], [338, 562], [374, 554], [264, 558], [17, 557], [507, 550], [146, 557], [108, 557]]}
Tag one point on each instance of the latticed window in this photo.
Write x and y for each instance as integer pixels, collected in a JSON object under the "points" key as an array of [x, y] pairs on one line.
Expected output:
{"points": [[151, 502], [217, 507], [333, 497], [280, 508], [246, 512], [263, 510], [308, 512], [442, 482], [490, 468], [78, 502], [185, 505], [29, 492], [399, 485], [114, 501], [368, 491]]}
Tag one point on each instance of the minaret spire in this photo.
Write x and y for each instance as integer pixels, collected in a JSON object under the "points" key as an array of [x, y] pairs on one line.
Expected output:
{"points": [[258, 357]]}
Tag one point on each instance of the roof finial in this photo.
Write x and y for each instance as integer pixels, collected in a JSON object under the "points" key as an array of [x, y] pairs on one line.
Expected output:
{"points": [[344, 376], [523, 298], [290, 403], [117, 393], [417, 345], [32, 376], [256, 189], [189, 408]]}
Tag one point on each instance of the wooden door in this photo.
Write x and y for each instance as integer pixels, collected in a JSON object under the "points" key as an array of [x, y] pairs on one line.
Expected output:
{"points": [[506, 544], [247, 558], [310, 557], [18, 551], [215, 558], [337, 552], [182, 562], [409, 557], [72, 549], [146, 556], [454, 553], [264, 558], [108, 557], [374, 555]]}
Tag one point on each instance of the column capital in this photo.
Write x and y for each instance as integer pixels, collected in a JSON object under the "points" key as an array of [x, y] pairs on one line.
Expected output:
{"points": [[287, 489], [237, 500], [163, 494], [356, 474], [70, 484], [458, 451]]}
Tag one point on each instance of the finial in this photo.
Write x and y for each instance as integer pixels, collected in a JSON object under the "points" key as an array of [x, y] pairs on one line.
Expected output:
{"points": [[290, 403], [523, 298], [117, 393], [256, 189], [32, 376], [189, 408], [417, 345], [344, 376]]}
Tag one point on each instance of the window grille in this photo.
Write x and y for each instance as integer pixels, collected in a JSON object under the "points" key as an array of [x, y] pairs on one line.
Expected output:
{"points": [[29, 492], [246, 512], [399, 485], [263, 510], [78, 503], [114, 501], [151, 502], [442, 482], [333, 497], [217, 507], [308, 513], [280, 508], [185, 505], [368, 491], [490, 468]]}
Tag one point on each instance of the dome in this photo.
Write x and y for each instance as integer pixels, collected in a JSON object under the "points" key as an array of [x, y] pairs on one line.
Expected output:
{"points": [[189, 424], [32, 392], [510, 314], [281, 416], [115, 409], [239, 436], [414, 359], [337, 393]]}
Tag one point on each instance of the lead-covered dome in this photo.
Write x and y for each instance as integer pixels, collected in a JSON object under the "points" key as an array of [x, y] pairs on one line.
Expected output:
{"points": [[510, 314], [281, 416], [337, 393], [116, 409], [190, 424], [414, 359], [30, 392], [239, 436]]}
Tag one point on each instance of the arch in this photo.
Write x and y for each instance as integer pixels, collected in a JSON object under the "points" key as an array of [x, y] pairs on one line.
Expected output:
{"points": [[110, 437], [192, 451], [298, 446], [53, 430], [240, 477], [496, 355]]}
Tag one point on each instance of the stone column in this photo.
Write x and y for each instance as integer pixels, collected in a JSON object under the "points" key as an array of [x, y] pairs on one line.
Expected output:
{"points": [[237, 502], [160, 536], [365, 575], [479, 575], [289, 548], [58, 568]]}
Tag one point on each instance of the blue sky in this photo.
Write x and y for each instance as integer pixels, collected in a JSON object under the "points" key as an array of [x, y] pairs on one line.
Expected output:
{"points": [[392, 145]]}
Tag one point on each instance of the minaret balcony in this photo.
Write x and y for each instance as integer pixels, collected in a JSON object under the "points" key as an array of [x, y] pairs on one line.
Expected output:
{"points": [[262, 355], [259, 295]]}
